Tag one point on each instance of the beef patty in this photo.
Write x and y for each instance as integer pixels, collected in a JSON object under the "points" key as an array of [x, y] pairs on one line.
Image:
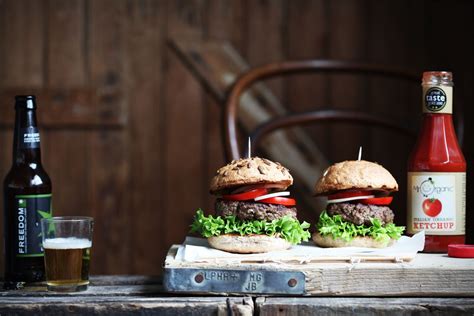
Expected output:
{"points": [[247, 210], [358, 213]]}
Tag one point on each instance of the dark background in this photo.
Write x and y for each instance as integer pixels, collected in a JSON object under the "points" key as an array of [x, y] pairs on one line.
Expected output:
{"points": [[130, 138]]}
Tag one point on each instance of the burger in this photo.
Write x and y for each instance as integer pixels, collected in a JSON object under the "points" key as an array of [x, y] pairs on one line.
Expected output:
{"points": [[358, 210], [254, 212]]}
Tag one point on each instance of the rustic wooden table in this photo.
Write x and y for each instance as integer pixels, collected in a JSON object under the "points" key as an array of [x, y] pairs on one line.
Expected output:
{"points": [[142, 295], [118, 295]]}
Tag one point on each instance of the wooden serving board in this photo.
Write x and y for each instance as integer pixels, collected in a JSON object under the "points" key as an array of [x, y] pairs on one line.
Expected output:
{"points": [[425, 275]]}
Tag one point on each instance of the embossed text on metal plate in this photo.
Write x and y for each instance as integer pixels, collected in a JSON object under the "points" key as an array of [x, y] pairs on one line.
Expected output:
{"points": [[234, 281]]}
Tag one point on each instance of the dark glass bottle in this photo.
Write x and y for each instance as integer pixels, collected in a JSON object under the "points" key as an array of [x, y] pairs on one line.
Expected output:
{"points": [[27, 198]]}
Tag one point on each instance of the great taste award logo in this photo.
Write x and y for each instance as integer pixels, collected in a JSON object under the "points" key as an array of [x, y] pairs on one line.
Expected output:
{"points": [[435, 99]]}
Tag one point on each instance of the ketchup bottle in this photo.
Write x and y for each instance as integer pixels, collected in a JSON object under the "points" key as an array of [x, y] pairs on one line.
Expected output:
{"points": [[437, 170]]}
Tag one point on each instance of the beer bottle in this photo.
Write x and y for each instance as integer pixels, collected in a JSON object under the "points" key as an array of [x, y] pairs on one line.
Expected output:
{"points": [[27, 199]]}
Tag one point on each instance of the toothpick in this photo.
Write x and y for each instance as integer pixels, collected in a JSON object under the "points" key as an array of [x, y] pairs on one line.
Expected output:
{"points": [[249, 144], [360, 153]]}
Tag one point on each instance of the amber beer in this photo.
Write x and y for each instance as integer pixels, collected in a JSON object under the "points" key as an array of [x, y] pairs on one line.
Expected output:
{"points": [[27, 199], [67, 242], [67, 263]]}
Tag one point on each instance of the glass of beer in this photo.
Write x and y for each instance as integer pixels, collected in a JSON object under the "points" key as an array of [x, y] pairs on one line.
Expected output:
{"points": [[67, 243]]}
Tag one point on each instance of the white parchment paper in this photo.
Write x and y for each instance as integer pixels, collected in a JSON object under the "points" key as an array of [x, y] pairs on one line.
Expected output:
{"points": [[198, 250]]}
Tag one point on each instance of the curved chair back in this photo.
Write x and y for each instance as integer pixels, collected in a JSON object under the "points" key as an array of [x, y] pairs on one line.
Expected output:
{"points": [[249, 78]]}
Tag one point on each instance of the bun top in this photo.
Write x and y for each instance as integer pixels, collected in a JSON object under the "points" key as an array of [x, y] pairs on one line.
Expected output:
{"points": [[355, 174], [251, 171]]}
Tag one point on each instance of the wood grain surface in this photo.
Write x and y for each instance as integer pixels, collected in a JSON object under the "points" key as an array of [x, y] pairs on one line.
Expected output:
{"points": [[130, 137], [119, 295], [143, 295], [426, 275], [364, 306], [184, 176]]}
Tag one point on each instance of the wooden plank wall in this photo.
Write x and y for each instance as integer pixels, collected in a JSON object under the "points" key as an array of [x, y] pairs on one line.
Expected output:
{"points": [[143, 175]]}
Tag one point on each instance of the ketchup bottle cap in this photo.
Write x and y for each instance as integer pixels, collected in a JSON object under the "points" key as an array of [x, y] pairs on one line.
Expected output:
{"points": [[461, 251]]}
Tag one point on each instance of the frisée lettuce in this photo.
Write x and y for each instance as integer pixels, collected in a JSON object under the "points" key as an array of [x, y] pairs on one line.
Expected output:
{"points": [[286, 227]]}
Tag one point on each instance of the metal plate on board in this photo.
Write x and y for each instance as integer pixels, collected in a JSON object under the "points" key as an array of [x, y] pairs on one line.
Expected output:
{"points": [[234, 281]]}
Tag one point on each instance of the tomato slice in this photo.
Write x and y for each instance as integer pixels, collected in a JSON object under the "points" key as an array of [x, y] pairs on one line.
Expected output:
{"points": [[250, 195], [386, 200], [348, 194], [279, 200]]}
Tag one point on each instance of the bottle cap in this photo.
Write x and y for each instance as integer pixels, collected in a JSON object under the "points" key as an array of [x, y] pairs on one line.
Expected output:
{"points": [[25, 101], [437, 78], [461, 251]]}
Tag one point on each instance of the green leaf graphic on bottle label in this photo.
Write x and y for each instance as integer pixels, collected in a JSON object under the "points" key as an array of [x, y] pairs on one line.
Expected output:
{"points": [[44, 214], [22, 203]]}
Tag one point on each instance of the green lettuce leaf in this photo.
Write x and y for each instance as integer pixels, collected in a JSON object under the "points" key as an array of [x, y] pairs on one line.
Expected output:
{"points": [[336, 227], [286, 227]]}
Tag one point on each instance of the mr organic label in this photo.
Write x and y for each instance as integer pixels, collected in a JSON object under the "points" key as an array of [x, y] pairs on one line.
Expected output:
{"points": [[437, 99], [30, 137], [436, 202], [30, 209]]}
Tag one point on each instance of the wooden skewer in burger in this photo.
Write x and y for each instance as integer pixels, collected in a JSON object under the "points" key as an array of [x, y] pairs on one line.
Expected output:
{"points": [[358, 212], [254, 212]]}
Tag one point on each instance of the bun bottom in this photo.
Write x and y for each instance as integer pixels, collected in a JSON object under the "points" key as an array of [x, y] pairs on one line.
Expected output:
{"points": [[248, 244], [368, 242]]}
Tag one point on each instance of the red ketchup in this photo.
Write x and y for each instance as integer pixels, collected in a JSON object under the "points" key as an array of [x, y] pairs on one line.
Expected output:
{"points": [[437, 170]]}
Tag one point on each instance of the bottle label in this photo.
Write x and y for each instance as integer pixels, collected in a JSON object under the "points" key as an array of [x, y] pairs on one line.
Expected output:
{"points": [[30, 209], [437, 203], [30, 137], [437, 99]]}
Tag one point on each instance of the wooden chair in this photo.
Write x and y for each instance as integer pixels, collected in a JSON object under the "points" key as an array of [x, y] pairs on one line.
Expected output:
{"points": [[249, 78]]}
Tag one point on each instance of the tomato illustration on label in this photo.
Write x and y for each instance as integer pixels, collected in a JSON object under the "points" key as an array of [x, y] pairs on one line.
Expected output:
{"points": [[432, 207]]}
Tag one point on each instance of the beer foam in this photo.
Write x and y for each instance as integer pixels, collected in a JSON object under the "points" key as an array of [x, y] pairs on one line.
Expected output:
{"points": [[67, 243]]}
